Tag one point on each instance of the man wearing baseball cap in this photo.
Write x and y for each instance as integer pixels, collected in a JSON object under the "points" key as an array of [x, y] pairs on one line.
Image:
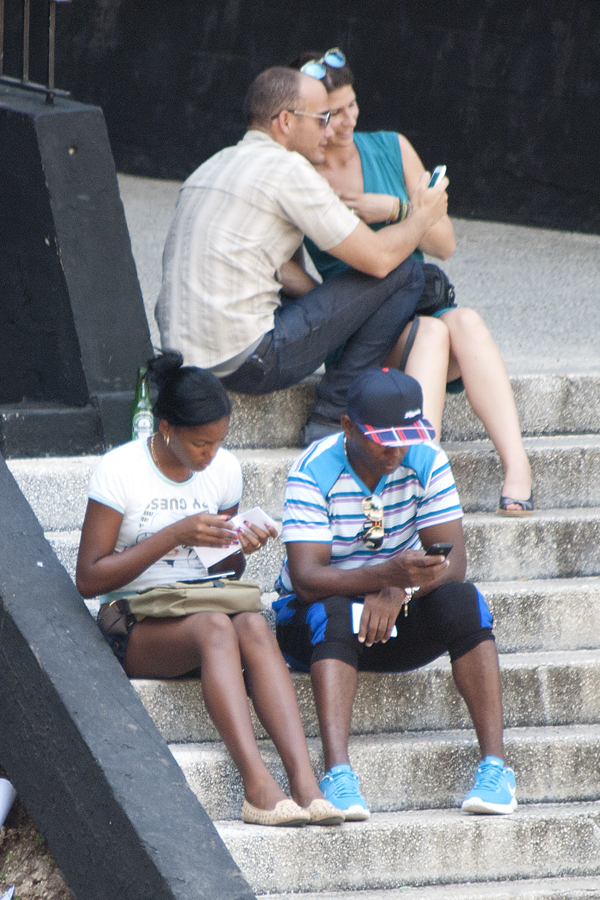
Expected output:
{"points": [[361, 509]]}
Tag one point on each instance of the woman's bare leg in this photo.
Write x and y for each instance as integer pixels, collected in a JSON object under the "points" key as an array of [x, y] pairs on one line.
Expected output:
{"points": [[475, 356], [272, 692], [166, 648], [428, 363]]}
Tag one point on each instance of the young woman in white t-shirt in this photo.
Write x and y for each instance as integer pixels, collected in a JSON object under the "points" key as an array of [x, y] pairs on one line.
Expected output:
{"points": [[150, 502]]}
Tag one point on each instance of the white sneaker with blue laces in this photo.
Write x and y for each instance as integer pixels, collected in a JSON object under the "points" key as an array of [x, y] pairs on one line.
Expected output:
{"points": [[340, 786], [494, 790]]}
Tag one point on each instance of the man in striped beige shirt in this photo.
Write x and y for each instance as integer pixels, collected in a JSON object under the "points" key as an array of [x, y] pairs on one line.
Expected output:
{"points": [[241, 217]]}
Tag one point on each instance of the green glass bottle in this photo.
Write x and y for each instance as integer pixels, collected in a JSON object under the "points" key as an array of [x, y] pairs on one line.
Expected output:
{"points": [[142, 420]]}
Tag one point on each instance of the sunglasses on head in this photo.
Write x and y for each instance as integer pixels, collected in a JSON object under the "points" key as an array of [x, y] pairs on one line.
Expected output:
{"points": [[373, 531], [315, 68], [322, 117]]}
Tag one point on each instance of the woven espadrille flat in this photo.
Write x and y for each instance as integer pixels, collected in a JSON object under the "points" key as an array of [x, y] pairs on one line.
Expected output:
{"points": [[322, 812], [286, 813]]}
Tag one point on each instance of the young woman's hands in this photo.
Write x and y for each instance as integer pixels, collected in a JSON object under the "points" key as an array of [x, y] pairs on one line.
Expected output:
{"points": [[252, 538], [204, 530]]}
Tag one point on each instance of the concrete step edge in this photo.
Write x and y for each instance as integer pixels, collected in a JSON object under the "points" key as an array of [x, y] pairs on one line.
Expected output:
{"points": [[570, 515], [414, 847], [565, 888], [540, 688], [424, 770], [547, 404], [565, 474], [85, 463]]}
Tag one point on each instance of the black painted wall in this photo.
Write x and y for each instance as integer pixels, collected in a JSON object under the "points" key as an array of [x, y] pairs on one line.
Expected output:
{"points": [[505, 92]]}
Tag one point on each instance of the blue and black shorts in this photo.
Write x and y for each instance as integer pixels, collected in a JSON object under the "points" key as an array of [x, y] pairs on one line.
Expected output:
{"points": [[453, 618]]}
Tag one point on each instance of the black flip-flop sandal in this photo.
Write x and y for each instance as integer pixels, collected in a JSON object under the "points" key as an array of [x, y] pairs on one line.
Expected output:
{"points": [[526, 506]]}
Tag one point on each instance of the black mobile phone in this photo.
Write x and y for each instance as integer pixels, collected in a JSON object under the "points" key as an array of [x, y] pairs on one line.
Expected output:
{"points": [[437, 173], [439, 550]]}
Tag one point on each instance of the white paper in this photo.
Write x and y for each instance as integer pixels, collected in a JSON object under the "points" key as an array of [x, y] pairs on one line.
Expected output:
{"points": [[256, 516], [7, 798], [357, 611]]}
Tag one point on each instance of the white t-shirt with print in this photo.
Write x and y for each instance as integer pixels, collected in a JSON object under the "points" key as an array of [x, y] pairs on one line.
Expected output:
{"points": [[128, 481]]}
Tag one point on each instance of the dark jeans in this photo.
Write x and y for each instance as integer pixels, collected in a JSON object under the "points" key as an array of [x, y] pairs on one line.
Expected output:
{"points": [[368, 314]]}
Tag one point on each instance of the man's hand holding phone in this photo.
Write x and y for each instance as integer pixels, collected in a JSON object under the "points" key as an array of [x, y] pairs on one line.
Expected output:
{"points": [[440, 549], [413, 568]]}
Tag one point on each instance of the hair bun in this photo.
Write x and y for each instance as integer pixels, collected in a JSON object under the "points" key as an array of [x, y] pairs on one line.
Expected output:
{"points": [[187, 396], [164, 366]]}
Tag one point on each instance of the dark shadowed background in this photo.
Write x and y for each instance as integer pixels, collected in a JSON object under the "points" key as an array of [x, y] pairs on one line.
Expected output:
{"points": [[505, 92]]}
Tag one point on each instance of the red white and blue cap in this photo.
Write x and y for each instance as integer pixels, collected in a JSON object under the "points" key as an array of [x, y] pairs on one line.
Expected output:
{"points": [[387, 406]]}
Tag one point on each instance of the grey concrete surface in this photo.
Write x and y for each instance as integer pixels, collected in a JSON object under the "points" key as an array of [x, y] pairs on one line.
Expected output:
{"points": [[394, 849], [524, 889], [426, 770], [545, 688], [538, 290], [149, 206], [423, 770]]}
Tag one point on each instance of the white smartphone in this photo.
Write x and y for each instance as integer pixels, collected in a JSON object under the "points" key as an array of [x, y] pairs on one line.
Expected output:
{"points": [[437, 173], [357, 610]]}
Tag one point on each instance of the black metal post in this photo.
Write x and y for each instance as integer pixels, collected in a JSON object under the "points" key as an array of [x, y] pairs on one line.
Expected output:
{"points": [[49, 88], [51, 38], [26, 25], [1, 37]]}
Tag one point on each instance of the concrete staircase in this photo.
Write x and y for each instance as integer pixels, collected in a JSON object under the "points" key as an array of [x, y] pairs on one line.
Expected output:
{"points": [[412, 743]]}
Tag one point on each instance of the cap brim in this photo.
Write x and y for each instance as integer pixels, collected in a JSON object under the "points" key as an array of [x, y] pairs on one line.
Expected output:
{"points": [[417, 433]]}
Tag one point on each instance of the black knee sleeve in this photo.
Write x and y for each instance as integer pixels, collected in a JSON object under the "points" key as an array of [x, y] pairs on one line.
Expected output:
{"points": [[322, 630], [459, 616]]}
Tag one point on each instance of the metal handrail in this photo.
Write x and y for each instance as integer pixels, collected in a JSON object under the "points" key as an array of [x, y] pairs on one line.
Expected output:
{"points": [[49, 89]]}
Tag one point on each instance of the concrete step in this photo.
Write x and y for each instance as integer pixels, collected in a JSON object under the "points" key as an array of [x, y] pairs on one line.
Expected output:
{"points": [[547, 688], [566, 472], [553, 614], [565, 888], [553, 543], [419, 847], [425, 770], [547, 404], [55, 488]]}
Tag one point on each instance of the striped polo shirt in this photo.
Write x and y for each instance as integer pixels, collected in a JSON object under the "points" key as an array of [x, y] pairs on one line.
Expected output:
{"points": [[323, 503]]}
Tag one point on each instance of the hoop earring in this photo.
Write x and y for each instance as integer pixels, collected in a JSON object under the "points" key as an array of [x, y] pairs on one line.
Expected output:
{"points": [[167, 440]]}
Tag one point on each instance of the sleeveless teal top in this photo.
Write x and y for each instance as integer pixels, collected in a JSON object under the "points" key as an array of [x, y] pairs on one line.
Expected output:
{"points": [[383, 173]]}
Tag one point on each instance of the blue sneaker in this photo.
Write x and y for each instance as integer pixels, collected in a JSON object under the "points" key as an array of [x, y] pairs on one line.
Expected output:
{"points": [[494, 789], [340, 787]]}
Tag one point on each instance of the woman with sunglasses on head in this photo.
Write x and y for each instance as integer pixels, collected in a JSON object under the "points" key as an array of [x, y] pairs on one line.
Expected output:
{"points": [[150, 503], [375, 174]]}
